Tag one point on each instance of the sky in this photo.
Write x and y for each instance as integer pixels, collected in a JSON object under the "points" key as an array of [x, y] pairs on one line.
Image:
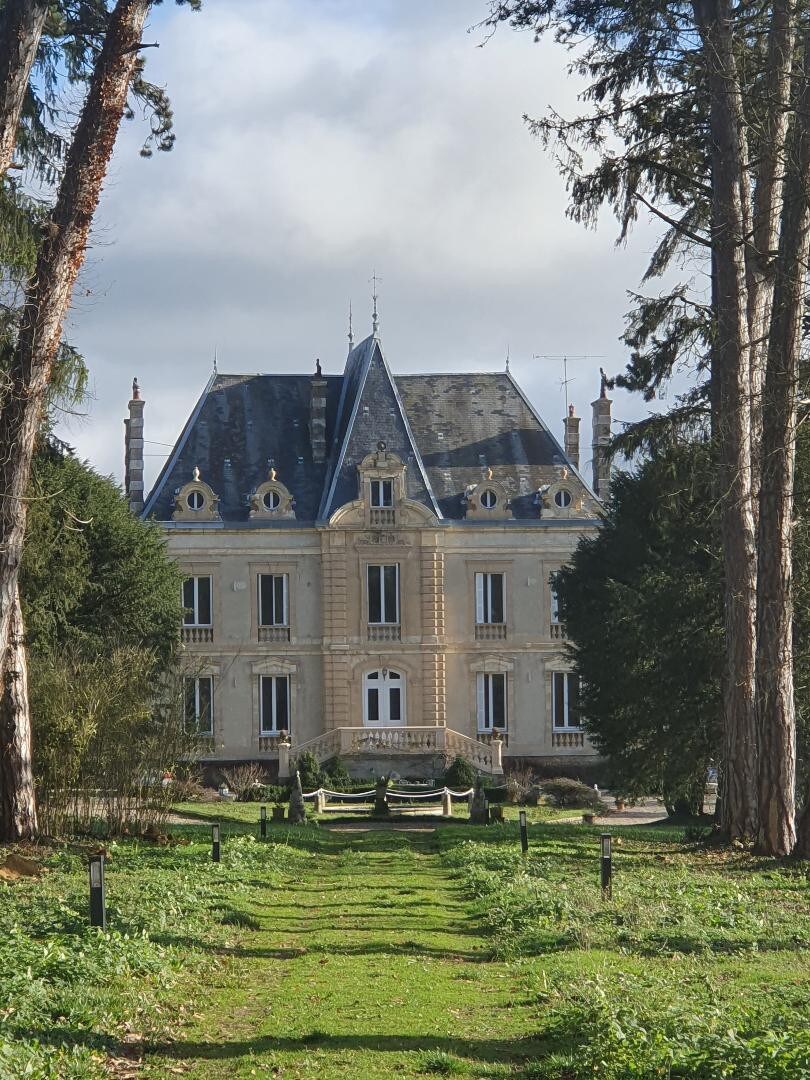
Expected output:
{"points": [[319, 141]]}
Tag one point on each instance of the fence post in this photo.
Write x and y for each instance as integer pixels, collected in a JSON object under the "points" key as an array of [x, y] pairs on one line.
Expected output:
{"points": [[215, 842], [263, 822], [524, 832], [606, 861], [447, 803]]}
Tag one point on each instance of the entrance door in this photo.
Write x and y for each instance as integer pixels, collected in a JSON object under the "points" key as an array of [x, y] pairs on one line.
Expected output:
{"points": [[383, 698]]}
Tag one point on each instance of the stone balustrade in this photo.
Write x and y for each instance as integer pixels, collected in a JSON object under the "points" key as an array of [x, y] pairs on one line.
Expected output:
{"points": [[568, 740], [274, 633], [197, 635], [490, 631]]}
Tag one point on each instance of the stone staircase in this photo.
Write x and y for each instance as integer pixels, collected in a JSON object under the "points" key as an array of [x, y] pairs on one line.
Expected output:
{"points": [[395, 743]]}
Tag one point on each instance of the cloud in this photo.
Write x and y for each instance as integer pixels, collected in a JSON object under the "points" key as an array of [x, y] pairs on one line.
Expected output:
{"points": [[315, 142]]}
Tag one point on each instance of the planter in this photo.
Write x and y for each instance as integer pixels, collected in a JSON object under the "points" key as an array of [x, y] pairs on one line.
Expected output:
{"points": [[620, 804], [278, 813], [587, 819], [496, 813]]}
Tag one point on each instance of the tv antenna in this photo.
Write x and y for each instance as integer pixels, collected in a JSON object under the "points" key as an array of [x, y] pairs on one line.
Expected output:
{"points": [[565, 380]]}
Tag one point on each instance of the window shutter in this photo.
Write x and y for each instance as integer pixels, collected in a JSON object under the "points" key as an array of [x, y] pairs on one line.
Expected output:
{"points": [[482, 701], [479, 597]]}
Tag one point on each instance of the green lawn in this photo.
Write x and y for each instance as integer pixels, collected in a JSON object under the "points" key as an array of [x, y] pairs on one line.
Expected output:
{"points": [[409, 954]]}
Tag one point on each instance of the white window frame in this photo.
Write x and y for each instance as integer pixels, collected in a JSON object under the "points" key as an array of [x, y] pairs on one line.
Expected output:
{"points": [[197, 679], [491, 498], [554, 602], [383, 620], [566, 676], [483, 598], [274, 729], [485, 699], [377, 492], [195, 607], [379, 680], [285, 600]]}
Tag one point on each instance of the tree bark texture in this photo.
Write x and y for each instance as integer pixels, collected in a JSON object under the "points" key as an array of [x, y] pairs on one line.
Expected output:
{"points": [[18, 813], [775, 703], [21, 23], [731, 365], [47, 299]]}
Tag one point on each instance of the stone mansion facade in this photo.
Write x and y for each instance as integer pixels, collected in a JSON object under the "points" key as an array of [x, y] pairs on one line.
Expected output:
{"points": [[369, 566]]}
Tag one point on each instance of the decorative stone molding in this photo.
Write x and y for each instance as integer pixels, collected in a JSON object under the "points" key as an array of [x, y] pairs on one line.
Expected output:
{"points": [[196, 501], [563, 498], [272, 500]]}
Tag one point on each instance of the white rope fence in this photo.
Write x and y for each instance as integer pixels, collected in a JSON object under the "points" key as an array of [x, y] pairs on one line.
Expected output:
{"points": [[438, 793]]}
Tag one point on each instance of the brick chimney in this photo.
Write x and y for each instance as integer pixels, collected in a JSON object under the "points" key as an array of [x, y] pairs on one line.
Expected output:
{"points": [[571, 424], [317, 415], [601, 439], [133, 451]]}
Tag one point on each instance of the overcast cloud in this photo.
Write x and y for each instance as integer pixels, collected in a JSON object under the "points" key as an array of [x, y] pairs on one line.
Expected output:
{"points": [[318, 140]]}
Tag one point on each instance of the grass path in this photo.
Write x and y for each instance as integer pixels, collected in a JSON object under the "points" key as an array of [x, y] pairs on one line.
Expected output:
{"points": [[367, 964]]}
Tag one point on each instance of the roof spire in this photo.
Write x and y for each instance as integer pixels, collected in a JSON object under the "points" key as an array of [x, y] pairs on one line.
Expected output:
{"points": [[215, 360], [375, 322], [507, 359], [351, 331]]}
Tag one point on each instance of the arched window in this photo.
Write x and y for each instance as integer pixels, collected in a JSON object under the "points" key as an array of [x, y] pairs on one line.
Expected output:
{"points": [[383, 698]]}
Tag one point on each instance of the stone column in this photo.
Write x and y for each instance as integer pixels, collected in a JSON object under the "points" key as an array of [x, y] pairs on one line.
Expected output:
{"points": [[334, 598], [434, 693]]}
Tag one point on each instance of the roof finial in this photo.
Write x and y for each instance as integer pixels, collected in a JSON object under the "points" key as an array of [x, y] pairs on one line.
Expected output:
{"points": [[375, 322], [603, 388], [136, 390], [195, 474], [215, 360], [507, 359], [351, 331]]}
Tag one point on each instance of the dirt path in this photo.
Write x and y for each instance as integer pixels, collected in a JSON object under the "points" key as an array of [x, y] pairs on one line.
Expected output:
{"points": [[368, 965]]}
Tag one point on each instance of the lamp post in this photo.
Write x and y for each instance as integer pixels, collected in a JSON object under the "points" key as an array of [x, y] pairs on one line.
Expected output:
{"points": [[263, 822], [215, 842], [606, 865], [98, 912], [524, 832]]}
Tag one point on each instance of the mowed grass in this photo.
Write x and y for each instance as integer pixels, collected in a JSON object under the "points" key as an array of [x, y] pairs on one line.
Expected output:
{"points": [[410, 954]]}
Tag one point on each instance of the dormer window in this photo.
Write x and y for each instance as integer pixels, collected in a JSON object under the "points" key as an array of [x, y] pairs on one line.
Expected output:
{"points": [[562, 498], [382, 492], [489, 500], [195, 501]]}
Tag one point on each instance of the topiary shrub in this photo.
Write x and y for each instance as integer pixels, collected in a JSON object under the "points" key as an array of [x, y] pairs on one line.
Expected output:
{"points": [[571, 794], [309, 770], [335, 775], [460, 774]]}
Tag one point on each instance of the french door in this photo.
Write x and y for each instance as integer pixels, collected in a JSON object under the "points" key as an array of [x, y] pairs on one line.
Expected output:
{"points": [[383, 698]]}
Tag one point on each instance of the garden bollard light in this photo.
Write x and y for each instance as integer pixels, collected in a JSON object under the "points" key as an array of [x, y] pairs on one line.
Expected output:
{"points": [[524, 832], [215, 843], [263, 822], [98, 912], [607, 867]]}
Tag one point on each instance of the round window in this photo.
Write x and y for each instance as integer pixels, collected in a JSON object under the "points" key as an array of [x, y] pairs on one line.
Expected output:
{"points": [[488, 498], [272, 500], [563, 498], [195, 500]]}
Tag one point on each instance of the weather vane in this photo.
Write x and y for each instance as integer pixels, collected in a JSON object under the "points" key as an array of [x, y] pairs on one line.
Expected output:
{"points": [[374, 319]]}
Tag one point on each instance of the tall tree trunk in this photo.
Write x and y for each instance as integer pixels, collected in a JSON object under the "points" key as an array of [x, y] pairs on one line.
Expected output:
{"points": [[47, 300], [21, 23], [18, 812], [731, 365], [767, 206], [775, 705]]}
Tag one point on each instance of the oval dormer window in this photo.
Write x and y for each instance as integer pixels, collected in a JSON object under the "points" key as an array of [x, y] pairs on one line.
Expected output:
{"points": [[563, 498], [489, 499], [195, 500], [271, 500]]}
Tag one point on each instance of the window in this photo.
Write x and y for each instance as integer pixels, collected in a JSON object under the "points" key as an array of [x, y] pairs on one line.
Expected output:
{"points": [[199, 704], [489, 499], [563, 498], [491, 702], [489, 598], [273, 606], [383, 594], [271, 500], [382, 492], [197, 601], [565, 700], [195, 500], [274, 704]]}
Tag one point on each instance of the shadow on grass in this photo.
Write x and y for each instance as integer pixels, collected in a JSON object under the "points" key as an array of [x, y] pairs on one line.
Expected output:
{"points": [[406, 947]]}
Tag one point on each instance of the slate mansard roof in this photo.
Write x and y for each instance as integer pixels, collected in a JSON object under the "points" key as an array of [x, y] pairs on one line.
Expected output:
{"points": [[448, 429]]}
